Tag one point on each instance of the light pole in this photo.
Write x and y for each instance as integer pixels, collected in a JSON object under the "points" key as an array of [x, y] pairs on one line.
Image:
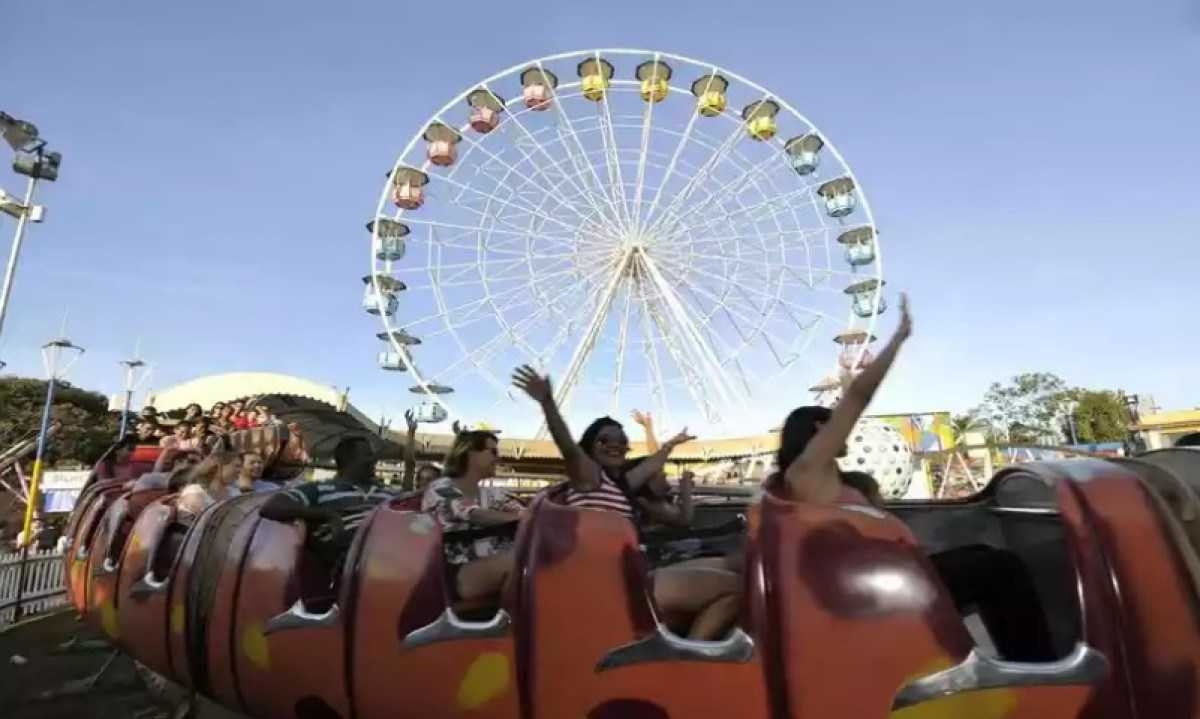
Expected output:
{"points": [[34, 162], [59, 355], [132, 383]]}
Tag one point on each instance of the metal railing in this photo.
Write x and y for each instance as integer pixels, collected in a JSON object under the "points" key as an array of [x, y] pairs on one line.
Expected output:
{"points": [[43, 588]]}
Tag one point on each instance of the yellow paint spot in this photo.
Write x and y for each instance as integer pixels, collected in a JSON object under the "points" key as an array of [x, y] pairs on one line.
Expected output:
{"points": [[108, 619], [255, 647], [486, 679], [986, 704], [177, 618]]}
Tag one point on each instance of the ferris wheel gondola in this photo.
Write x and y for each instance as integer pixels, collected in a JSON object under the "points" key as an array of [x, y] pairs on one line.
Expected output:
{"points": [[653, 226]]}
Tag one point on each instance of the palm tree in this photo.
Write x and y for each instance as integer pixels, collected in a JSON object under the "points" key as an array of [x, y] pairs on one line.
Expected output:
{"points": [[961, 426]]}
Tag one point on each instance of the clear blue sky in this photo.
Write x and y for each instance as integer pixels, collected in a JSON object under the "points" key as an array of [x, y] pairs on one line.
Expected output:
{"points": [[1034, 166]]}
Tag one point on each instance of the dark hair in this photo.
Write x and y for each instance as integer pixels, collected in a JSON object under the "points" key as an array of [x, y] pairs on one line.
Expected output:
{"points": [[864, 484], [587, 440], [147, 420], [464, 443], [183, 423], [347, 450], [798, 430]]}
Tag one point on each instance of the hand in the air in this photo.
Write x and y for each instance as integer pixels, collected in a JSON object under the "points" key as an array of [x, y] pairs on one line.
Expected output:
{"points": [[680, 438], [642, 418], [410, 420], [533, 384], [904, 329]]}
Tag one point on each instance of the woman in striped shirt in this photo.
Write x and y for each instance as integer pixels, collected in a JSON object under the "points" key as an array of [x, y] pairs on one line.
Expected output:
{"points": [[597, 480]]}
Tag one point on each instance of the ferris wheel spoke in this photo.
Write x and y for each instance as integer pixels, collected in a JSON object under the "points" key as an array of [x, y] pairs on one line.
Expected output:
{"points": [[719, 301], [610, 140], [773, 161], [622, 339], [670, 171], [587, 342], [753, 288], [679, 356], [505, 163], [505, 202], [647, 120], [704, 171], [698, 347], [778, 200], [565, 117]]}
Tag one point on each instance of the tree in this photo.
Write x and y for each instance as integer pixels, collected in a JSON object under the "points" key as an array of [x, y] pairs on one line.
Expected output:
{"points": [[964, 424], [1100, 416], [88, 427], [1026, 410]]}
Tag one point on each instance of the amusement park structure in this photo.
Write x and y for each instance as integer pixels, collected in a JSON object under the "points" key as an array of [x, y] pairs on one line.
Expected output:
{"points": [[649, 228]]}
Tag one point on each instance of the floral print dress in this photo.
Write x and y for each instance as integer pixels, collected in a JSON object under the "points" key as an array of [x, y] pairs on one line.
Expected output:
{"points": [[452, 509]]}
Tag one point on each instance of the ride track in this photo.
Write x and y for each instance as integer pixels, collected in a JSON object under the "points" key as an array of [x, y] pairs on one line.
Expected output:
{"points": [[228, 606]]}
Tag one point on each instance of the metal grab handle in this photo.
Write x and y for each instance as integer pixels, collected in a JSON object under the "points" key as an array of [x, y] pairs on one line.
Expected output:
{"points": [[665, 646], [297, 617], [448, 627], [1083, 666], [147, 585]]}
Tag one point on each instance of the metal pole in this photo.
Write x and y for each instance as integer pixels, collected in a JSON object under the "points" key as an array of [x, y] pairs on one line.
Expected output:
{"points": [[41, 450], [15, 253], [125, 413]]}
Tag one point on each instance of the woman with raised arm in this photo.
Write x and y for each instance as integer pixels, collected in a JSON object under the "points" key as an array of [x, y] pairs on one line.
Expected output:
{"points": [[814, 437], [598, 478]]}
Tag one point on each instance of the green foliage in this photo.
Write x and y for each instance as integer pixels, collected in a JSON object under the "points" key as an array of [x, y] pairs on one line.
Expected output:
{"points": [[88, 428], [1100, 416], [1026, 410], [964, 424]]}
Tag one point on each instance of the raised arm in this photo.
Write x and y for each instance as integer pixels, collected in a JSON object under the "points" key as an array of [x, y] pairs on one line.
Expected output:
{"points": [[678, 514], [653, 464], [538, 387], [646, 422], [805, 477], [410, 452]]}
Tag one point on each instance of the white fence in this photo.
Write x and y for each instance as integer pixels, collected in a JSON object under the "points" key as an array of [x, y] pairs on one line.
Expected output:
{"points": [[44, 589]]}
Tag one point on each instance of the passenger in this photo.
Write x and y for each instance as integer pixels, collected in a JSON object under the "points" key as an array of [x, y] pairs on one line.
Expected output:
{"points": [[333, 509], [193, 412], [181, 438], [215, 413], [597, 479], [250, 480], [146, 431], [239, 417], [264, 417], [654, 500], [214, 478], [814, 437], [480, 567]]}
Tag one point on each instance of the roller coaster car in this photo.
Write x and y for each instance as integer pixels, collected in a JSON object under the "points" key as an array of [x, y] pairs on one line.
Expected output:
{"points": [[843, 613]]}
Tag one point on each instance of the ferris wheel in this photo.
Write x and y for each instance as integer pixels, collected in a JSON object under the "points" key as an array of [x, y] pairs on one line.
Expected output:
{"points": [[653, 230]]}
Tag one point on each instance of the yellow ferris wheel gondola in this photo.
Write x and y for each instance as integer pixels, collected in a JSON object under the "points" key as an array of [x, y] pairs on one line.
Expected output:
{"points": [[654, 74], [760, 119], [595, 74], [710, 94]]}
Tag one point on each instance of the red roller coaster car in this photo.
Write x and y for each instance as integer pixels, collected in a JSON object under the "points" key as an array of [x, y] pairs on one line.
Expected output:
{"points": [[842, 616]]}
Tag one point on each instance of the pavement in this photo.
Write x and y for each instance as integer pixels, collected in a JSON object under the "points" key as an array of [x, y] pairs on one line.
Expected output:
{"points": [[46, 664]]}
